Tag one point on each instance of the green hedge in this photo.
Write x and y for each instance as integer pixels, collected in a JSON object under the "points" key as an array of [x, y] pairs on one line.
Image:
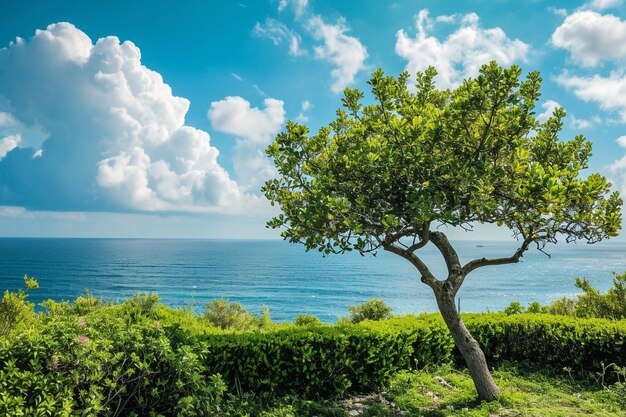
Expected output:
{"points": [[109, 360], [580, 344], [324, 361], [331, 360]]}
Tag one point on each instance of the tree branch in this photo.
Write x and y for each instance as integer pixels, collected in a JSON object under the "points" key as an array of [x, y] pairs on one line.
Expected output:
{"points": [[447, 251], [427, 277], [478, 263], [424, 236]]}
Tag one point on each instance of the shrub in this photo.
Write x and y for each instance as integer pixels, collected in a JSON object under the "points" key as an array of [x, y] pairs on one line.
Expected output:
{"points": [[593, 303], [322, 361], [86, 303], [610, 305], [536, 308], [14, 309], [98, 365], [563, 307], [227, 315], [541, 339], [514, 308], [306, 320], [370, 310], [140, 305]]}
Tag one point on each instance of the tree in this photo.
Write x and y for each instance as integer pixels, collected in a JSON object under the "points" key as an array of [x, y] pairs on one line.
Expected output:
{"points": [[393, 174]]}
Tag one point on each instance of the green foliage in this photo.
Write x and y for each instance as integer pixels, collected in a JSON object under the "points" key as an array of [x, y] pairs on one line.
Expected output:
{"points": [[323, 361], [563, 306], [306, 320], [373, 309], [388, 170], [226, 315], [140, 305], [514, 308], [541, 339], [265, 321], [98, 365], [536, 308], [143, 358], [593, 303], [611, 305], [14, 309]]}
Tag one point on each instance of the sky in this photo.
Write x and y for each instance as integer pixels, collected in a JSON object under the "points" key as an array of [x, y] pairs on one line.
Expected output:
{"points": [[150, 119]]}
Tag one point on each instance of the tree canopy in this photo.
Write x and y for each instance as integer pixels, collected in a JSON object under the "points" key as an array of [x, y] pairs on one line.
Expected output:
{"points": [[422, 157]]}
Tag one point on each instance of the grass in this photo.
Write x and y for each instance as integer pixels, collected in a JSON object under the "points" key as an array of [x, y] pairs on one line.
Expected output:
{"points": [[445, 391]]}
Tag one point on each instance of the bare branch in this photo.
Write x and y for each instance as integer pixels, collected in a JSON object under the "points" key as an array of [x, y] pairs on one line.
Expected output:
{"points": [[447, 251], [424, 236], [427, 277], [478, 263]]}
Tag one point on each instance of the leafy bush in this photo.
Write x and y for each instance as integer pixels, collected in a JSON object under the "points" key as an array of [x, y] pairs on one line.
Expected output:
{"points": [[370, 310], [536, 308], [306, 320], [514, 308], [322, 361], [227, 315], [580, 344], [14, 309], [146, 358], [593, 303], [563, 307], [98, 365]]}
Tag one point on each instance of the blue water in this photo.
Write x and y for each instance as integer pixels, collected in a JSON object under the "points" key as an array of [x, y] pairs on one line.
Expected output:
{"points": [[288, 280]]}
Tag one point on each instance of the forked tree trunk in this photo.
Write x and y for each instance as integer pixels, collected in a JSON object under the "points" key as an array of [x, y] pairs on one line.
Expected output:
{"points": [[468, 346]]}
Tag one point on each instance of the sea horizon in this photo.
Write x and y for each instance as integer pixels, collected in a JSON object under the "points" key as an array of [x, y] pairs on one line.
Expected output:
{"points": [[189, 272]]}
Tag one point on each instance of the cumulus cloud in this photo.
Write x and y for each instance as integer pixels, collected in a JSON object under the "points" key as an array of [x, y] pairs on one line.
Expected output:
{"points": [[580, 123], [108, 133], [548, 108], [305, 106], [299, 6], [618, 168], [605, 4], [254, 128], [345, 52], [591, 37], [234, 115], [279, 33], [462, 53], [609, 92]]}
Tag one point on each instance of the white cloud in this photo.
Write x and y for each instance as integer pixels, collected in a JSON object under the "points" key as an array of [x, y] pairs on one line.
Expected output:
{"points": [[446, 18], [8, 143], [234, 115], [591, 37], [618, 168], [608, 92], [558, 12], [548, 108], [255, 129], [346, 52], [304, 107], [299, 6], [605, 4], [580, 123], [278, 33], [463, 52], [115, 134]]}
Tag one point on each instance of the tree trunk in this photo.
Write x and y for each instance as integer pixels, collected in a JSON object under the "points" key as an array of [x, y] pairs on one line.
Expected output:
{"points": [[468, 346]]}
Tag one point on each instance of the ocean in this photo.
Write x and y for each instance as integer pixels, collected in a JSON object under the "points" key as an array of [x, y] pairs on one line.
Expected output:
{"points": [[288, 280]]}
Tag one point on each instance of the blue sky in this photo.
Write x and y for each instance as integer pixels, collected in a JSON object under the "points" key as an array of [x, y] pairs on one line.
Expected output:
{"points": [[148, 119]]}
